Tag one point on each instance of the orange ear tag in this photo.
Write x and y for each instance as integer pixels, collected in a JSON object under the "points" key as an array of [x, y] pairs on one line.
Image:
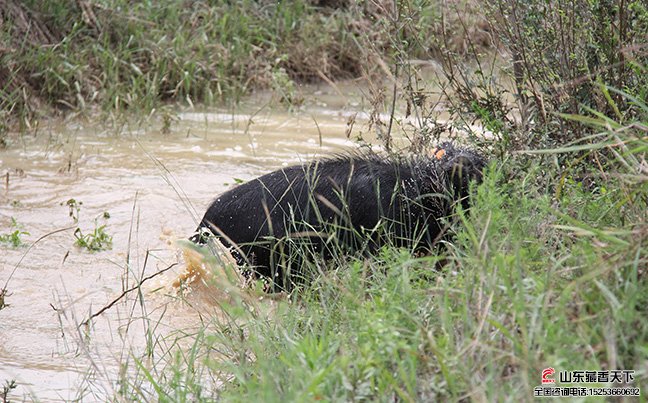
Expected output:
{"points": [[439, 153]]}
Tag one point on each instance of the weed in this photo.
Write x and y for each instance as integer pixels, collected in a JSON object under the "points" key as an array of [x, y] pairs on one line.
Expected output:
{"points": [[96, 240], [559, 54], [14, 238], [74, 207], [168, 118], [6, 388], [3, 294], [4, 138], [285, 88]]}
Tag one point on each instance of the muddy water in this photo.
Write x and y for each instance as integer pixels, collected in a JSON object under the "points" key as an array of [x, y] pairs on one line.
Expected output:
{"points": [[155, 187]]}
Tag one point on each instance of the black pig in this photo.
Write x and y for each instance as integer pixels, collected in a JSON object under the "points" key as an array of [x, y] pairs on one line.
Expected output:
{"points": [[350, 203]]}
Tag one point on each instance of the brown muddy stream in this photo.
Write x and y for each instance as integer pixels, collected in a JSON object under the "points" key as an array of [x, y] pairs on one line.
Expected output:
{"points": [[155, 187]]}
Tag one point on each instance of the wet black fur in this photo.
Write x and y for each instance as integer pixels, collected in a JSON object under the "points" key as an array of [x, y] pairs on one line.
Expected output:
{"points": [[349, 203]]}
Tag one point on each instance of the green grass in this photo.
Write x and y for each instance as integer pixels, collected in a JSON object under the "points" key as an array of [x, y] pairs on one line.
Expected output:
{"points": [[126, 55], [116, 55]]}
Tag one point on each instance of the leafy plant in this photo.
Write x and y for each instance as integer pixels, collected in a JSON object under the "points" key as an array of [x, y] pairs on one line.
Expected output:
{"points": [[96, 240], [14, 238]]}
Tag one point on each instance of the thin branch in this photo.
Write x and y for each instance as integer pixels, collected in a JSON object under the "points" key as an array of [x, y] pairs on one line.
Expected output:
{"points": [[124, 293]]}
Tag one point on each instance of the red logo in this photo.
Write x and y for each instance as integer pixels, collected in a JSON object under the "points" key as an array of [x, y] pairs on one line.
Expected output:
{"points": [[546, 373]]}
